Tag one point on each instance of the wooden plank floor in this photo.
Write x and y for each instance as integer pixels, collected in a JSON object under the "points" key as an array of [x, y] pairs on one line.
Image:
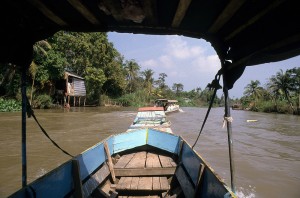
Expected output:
{"points": [[143, 184], [145, 161]]}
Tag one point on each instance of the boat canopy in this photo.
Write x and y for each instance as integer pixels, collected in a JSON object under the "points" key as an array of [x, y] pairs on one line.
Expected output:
{"points": [[151, 109], [243, 33]]}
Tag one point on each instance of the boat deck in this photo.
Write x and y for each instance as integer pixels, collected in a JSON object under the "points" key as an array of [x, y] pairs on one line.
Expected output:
{"points": [[143, 174]]}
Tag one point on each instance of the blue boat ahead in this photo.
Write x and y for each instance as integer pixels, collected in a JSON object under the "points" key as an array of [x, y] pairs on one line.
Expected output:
{"points": [[139, 163]]}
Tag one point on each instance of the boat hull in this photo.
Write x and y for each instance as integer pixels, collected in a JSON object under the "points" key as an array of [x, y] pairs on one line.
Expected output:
{"points": [[92, 170]]}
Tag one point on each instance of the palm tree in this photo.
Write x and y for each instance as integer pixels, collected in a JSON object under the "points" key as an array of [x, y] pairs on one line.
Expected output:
{"points": [[281, 83], [162, 80], [253, 90], [295, 83], [39, 49], [148, 81], [177, 88], [132, 69]]}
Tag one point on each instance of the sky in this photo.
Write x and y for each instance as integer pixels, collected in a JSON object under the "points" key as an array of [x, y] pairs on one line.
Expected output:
{"points": [[191, 62]]}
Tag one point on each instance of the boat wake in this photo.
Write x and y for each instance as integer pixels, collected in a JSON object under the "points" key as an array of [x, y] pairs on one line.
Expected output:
{"points": [[246, 193]]}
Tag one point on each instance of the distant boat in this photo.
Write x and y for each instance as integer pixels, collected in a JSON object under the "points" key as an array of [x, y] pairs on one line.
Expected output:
{"points": [[168, 105], [143, 162], [151, 117], [237, 107]]}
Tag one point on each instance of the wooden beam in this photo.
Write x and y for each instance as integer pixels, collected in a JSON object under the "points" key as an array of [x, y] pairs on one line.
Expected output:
{"points": [[180, 12], [231, 8], [87, 14], [110, 164], [95, 180], [114, 6], [254, 19], [76, 179], [47, 12], [200, 178], [131, 172], [150, 10]]}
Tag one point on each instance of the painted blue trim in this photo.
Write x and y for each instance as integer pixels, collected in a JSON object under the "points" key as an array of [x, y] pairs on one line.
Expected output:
{"points": [[90, 160], [163, 140], [57, 183], [129, 140]]}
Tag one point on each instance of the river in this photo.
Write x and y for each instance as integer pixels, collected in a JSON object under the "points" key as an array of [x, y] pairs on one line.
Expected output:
{"points": [[266, 152]]}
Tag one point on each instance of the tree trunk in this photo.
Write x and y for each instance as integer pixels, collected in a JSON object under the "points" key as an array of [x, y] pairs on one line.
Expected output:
{"points": [[31, 92]]}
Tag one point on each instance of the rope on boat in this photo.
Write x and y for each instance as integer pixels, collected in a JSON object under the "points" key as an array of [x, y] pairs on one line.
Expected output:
{"points": [[226, 120], [30, 113], [215, 85]]}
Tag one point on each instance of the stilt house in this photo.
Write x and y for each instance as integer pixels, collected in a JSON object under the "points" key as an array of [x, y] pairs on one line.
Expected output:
{"points": [[75, 87]]}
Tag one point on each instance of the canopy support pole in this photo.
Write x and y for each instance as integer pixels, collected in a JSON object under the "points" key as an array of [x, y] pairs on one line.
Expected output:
{"points": [[24, 110], [229, 132]]}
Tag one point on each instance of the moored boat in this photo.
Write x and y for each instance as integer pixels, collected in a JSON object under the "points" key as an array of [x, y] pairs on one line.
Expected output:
{"points": [[143, 162], [168, 105]]}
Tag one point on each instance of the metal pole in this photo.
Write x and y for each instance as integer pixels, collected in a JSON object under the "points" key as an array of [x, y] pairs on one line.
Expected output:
{"points": [[229, 131], [24, 159]]}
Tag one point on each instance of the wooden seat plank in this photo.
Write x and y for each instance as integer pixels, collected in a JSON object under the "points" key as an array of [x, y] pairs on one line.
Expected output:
{"points": [[145, 183], [164, 184], [166, 161], [138, 160], [127, 183], [124, 160], [152, 160], [156, 183], [120, 185], [139, 172], [134, 183]]}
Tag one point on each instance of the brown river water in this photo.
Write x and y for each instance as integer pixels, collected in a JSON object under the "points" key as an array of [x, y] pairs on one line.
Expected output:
{"points": [[266, 152]]}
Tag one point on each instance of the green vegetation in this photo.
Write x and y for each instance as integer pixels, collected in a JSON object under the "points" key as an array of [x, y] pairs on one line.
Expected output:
{"points": [[9, 105], [109, 77], [281, 94]]}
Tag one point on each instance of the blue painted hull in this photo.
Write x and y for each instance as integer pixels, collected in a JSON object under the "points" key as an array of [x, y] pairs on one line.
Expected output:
{"points": [[60, 181]]}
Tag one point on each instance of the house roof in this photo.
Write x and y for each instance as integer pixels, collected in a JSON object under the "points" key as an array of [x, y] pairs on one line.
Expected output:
{"points": [[243, 32], [73, 75]]}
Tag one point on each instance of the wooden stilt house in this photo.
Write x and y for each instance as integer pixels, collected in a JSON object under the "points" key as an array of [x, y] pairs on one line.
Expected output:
{"points": [[75, 88]]}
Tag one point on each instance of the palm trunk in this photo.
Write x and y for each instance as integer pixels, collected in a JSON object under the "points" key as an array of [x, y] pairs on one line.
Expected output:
{"points": [[32, 87], [289, 101]]}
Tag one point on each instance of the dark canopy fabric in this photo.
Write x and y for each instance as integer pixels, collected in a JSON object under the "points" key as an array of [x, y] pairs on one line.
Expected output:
{"points": [[244, 32]]}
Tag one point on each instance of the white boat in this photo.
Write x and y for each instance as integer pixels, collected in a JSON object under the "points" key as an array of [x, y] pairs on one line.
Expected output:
{"points": [[168, 105], [151, 117]]}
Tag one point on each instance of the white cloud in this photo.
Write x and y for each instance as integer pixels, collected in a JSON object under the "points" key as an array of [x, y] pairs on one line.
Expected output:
{"points": [[184, 61], [166, 61], [178, 48], [207, 64], [151, 63]]}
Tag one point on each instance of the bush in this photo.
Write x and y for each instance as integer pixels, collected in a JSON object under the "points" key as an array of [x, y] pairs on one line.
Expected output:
{"points": [[9, 105], [265, 106], [136, 99], [42, 102]]}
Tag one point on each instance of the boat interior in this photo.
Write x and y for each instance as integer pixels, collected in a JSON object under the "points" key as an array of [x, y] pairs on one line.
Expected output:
{"points": [[140, 163]]}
